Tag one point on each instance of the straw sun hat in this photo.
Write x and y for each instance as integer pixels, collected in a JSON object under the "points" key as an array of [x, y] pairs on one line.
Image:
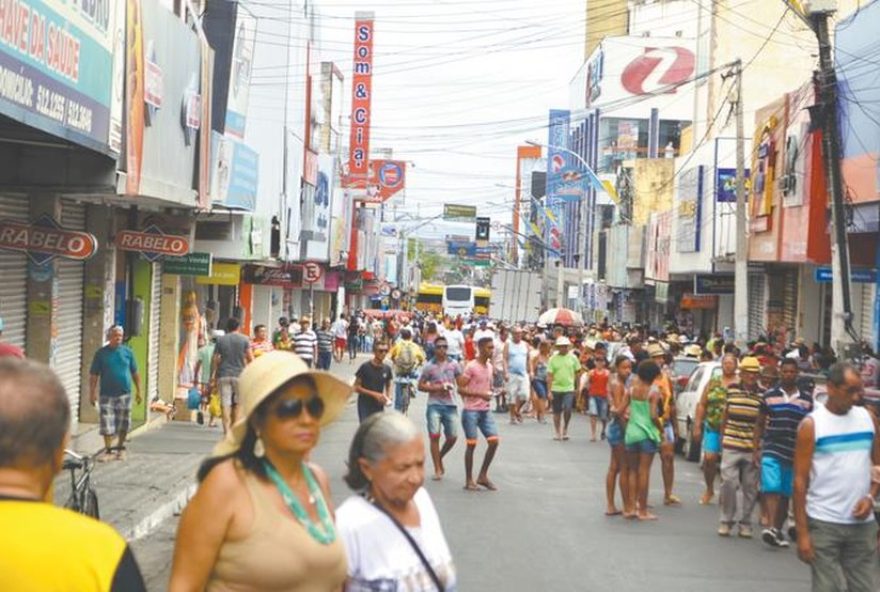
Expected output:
{"points": [[268, 373]]}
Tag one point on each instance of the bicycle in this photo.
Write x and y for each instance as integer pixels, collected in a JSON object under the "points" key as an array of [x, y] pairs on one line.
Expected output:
{"points": [[409, 390], [83, 497]]}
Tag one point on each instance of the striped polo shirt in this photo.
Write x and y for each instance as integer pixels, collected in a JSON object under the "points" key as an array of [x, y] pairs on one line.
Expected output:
{"points": [[743, 409], [304, 344], [784, 414]]}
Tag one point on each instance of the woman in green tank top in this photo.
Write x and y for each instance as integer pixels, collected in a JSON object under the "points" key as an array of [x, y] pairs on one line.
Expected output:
{"points": [[642, 438]]}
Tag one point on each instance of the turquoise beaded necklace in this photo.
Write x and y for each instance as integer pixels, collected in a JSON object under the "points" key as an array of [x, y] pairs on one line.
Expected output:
{"points": [[325, 533]]}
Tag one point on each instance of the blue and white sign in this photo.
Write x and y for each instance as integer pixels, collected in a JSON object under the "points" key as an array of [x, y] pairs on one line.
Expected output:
{"points": [[461, 249], [234, 176], [725, 185], [558, 131], [823, 275], [56, 67]]}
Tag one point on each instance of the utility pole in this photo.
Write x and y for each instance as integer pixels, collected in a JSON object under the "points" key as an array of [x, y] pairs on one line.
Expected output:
{"points": [[841, 297], [741, 266]]}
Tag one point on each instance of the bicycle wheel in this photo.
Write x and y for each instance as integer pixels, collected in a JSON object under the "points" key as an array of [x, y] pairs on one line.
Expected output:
{"points": [[405, 402], [73, 502], [90, 504]]}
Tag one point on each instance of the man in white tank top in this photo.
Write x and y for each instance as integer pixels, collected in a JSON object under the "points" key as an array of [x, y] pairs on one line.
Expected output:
{"points": [[834, 496]]}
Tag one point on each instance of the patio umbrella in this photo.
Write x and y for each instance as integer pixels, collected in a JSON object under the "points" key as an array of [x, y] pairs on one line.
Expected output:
{"points": [[561, 316]]}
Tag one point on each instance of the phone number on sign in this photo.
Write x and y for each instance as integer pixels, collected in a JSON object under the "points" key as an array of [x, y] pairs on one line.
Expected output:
{"points": [[63, 110]]}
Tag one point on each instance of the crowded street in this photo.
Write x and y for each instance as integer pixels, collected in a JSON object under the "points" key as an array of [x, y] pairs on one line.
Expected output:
{"points": [[545, 527], [439, 296]]}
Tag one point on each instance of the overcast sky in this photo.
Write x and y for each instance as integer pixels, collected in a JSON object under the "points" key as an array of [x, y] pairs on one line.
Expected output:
{"points": [[457, 85]]}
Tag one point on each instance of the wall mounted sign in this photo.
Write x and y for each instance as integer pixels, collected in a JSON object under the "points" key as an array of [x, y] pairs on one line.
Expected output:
{"points": [[193, 264], [152, 243], [45, 239]]}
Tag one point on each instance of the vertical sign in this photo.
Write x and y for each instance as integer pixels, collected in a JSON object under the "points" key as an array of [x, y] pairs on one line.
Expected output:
{"points": [[361, 92], [556, 163], [134, 127]]}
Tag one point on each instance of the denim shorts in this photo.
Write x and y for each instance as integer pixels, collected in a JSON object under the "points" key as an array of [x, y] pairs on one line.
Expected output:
{"points": [[614, 433], [711, 440], [599, 407], [777, 476], [562, 401], [540, 387], [668, 433], [646, 446], [474, 422], [442, 416]]}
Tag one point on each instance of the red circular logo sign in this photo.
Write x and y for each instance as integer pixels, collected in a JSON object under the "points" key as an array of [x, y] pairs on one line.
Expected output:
{"points": [[656, 68], [311, 272]]}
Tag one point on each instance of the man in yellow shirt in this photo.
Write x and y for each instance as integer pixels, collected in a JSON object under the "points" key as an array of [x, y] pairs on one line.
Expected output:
{"points": [[406, 356], [44, 547]]}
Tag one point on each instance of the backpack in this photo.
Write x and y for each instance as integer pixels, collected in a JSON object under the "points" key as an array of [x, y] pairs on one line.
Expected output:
{"points": [[405, 362]]}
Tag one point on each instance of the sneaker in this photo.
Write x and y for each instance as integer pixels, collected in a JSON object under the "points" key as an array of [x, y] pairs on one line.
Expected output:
{"points": [[769, 536], [745, 531], [724, 529], [780, 540]]}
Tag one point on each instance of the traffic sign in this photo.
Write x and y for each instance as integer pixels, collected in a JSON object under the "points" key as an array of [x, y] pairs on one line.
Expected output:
{"points": [[312, 272]]}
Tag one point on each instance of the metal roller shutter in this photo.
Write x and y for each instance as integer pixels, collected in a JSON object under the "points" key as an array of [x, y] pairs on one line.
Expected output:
{"points": [[790, 301], [866, 314], [757, 304], [153, 347], [13, 268], [68, 357]]}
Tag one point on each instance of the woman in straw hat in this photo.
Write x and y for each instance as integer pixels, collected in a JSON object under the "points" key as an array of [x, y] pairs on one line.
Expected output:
{"points": [[262, 517], [393, 536]]}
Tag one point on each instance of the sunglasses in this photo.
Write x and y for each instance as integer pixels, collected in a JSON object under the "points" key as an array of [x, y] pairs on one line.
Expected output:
{"points": [[293, 408], [441, 346]]}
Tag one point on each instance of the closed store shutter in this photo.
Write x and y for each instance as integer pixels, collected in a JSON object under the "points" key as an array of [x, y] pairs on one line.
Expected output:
{"points": [[153, 347], [68, 357], [866, 314], [13, 268], [757, 305], [790, 300]]}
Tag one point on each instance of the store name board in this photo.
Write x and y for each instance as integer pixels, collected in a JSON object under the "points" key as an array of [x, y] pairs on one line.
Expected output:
{"points": [[698, 301], [823, 275], [192, 264], [222, 274], [272, 276], [713, 284], [45, 239], [453, 212], [152, 243], [361, 99]]}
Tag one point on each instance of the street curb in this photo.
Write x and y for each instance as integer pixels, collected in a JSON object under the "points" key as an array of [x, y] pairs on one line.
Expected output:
{"points": [[150, 523]]}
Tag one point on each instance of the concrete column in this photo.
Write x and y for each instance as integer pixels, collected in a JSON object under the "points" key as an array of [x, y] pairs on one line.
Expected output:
{"points": [[169, 339], [100, 279], [42, 292]]}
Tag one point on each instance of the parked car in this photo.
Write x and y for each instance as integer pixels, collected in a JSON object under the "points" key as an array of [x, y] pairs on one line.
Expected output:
{"points": [[682, 368], [686, 406]]}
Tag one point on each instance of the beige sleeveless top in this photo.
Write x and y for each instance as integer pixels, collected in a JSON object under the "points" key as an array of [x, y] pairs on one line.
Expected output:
{"points": [[277, 555]]}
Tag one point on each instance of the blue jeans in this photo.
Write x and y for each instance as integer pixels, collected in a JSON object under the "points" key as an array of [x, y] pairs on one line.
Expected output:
{"points": [[324, 360]]}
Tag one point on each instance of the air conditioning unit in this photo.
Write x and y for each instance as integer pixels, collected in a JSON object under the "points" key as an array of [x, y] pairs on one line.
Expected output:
{"points": [[820, 6]]}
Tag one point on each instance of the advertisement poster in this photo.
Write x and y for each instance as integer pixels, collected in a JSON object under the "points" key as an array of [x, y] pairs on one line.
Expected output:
{"points": [[134, 122], [240, 72], [56, 67], [361, 99], [556, 164], [234, 175], [689, 210]]}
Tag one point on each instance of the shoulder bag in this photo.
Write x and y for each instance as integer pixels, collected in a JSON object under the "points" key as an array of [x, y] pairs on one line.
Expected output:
{"points": [[415, 547]]}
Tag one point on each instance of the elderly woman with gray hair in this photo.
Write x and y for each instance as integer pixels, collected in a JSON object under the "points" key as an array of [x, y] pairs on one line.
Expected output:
{"points": [[391, 532]]}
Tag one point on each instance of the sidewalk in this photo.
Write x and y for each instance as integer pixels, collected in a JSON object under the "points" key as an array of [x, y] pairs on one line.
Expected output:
{"points": [[155, 481], [159, 474]]}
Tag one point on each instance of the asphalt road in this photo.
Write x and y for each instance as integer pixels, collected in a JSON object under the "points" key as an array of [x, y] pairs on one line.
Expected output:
{"points": [[545, 529]]}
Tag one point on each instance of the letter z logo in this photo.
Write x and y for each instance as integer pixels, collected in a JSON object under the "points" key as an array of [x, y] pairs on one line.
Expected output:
{"points": [[656, 68]]}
